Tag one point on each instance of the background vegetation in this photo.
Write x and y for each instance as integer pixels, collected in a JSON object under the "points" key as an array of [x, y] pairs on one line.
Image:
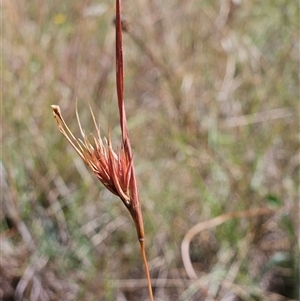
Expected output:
{"points": [[211, 92]]}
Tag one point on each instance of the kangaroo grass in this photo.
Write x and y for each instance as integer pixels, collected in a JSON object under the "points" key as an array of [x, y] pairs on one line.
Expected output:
{"points": [[114, 169]]}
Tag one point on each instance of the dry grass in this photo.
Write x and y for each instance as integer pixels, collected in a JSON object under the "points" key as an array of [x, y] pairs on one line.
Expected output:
{"points": [[211, 94]]}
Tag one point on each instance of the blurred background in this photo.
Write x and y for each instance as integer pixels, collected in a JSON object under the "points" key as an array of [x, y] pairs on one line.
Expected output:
{"points": [[211, 94]]}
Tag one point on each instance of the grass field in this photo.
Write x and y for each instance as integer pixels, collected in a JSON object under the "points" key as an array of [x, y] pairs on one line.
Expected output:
{"points": [[212, 100]]}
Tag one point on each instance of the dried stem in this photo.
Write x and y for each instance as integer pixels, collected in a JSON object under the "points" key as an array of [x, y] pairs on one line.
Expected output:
{"points": [[114, 169], [185, 245], [142, 244], [135, 209]]}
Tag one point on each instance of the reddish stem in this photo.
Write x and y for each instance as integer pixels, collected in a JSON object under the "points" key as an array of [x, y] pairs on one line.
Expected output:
{"points": [[134, 206]]}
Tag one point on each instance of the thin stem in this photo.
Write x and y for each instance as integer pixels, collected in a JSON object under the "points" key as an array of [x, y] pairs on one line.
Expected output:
{"points": [[142, 243]]}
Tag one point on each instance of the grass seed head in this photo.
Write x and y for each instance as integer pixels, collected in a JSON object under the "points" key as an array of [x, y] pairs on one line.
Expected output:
{"points": [[112, 168]]}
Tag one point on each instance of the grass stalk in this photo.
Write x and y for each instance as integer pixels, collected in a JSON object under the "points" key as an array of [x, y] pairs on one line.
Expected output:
{"points": [[143, 251], [115, 169]]}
